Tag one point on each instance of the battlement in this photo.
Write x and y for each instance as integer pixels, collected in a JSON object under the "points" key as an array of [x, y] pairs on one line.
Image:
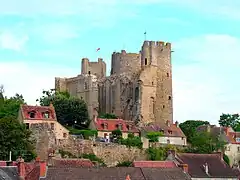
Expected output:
{"points": [[157, 44], [123, 52]]}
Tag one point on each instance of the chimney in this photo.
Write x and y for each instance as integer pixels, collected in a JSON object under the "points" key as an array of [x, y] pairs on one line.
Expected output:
{"points": [[21, 168], [184, 167], [177, 124]]}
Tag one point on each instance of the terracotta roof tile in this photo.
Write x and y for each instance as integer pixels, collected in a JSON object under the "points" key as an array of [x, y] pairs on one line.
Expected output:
{"points": [[154, 164], [38, 110], [217, 167], [170, 131], [112, 124], [117, 173]]}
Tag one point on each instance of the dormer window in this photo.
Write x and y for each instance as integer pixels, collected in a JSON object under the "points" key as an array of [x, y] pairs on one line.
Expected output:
{"points": [[129, 127], [32, 114], [45, 115], [104, 126], [119, 126]]}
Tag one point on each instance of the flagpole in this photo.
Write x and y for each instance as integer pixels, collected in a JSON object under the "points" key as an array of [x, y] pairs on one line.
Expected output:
{"points": [[145, 35]]}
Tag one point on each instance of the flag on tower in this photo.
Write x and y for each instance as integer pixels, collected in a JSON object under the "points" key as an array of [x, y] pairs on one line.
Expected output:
{"points": [[98, 49], [145, 32]]}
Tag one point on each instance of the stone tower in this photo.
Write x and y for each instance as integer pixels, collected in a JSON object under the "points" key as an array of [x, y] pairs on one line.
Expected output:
{"points": [[156, 82]]}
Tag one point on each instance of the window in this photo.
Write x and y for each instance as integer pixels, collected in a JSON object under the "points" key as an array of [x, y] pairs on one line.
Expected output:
{"points": [[32, 114], [27, 125], [168, 141], [169, 131], [119, 126], [152, 105], [169, 97], [167, 74], [89, 72], [52, 126], [163, 106], [136, 94], [105, 126], [145, 61], [227, 148], [45, 115], [152, 83], [129, 127], [85, 85], [64, 135]]}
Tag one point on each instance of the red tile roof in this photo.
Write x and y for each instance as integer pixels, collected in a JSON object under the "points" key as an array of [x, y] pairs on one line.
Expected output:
{"points": [[112, 124], [72, 163], [217, 168], [171, 130], [38, 111], [154, 164]]}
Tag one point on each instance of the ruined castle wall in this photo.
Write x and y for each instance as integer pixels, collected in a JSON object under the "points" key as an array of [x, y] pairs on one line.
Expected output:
{"points": [[157, 54], [125, 62], [60, 84], [95, 68]]}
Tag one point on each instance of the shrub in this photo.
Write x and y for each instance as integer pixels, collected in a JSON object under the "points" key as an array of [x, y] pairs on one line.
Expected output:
{"points": [[93, 157], [124, 164], [86, 133], [132, 142], [66, 153], [108, 116], [153, 136], [226, 159]]}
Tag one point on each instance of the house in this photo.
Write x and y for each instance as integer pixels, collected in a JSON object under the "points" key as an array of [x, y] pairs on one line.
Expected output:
{"points": [[232, 138], [204, 166], [15, 170], [106, 126], [42, 116], [116, 173], [172, 134]]}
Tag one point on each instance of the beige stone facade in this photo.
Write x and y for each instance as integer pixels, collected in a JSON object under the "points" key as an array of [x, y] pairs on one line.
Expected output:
{"points": [[139, 87]]}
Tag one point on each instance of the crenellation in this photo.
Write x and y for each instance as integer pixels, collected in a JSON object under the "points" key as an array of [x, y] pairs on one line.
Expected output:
{"points": [[138, 88]]}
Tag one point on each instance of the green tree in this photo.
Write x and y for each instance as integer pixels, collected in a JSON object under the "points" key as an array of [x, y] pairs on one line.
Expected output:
{"points": [[10, 106], [70, 111], [15, 138], [108, 116], [230, 120], [189, 128], [153, 136], [117, 134], [1, 96], [204, 142]]}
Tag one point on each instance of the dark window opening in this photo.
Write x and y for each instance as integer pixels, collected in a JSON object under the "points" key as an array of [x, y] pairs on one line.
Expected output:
{"points": [[168, 141], [32, 114], [52, 126], [169, 97], [163, 106], [64, 135], [85, 85], [27, 125], [45, 115], [152, 83], [119, 126], [89, 72], [136, 93], [145, 61], [105, 126], [167, 74], [169, 132]]}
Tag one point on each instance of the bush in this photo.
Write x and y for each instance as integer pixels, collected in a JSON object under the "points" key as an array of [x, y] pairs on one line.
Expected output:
{"points": [[226, 159], [132, 142], [117, 133], [153, 136], [86, 133], [66, 153], [93, 157], [108, 116], [124, 164]]}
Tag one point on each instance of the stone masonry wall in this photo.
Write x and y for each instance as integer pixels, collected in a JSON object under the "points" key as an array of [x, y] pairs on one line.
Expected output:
{"points": [[112, 154]]}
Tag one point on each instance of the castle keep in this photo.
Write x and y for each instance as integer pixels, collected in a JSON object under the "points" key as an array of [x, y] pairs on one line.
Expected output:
{"points": [[139, 87]]}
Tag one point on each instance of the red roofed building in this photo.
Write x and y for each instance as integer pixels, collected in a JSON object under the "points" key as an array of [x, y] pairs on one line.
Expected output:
{"points": [[106, 126], [154, 164], [172, 134], [35, 116], [232, 138]]}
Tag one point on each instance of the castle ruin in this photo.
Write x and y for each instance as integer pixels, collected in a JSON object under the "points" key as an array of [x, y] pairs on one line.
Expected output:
{"points": [[139, 87]]}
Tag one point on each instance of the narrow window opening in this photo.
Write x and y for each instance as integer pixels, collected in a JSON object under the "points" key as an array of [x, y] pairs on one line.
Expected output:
{"points": [[52, 126], [163, 106], [167, 74], [32, 114], [169, 97], [89, 72], [145, 61]]}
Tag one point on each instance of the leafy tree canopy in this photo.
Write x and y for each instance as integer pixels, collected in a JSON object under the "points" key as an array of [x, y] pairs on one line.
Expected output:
{"points": [[230, 120], [15, 138], [153, 136], [189, 128], [70, 111], [10, 106], [204, 142], [108, 116]]}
